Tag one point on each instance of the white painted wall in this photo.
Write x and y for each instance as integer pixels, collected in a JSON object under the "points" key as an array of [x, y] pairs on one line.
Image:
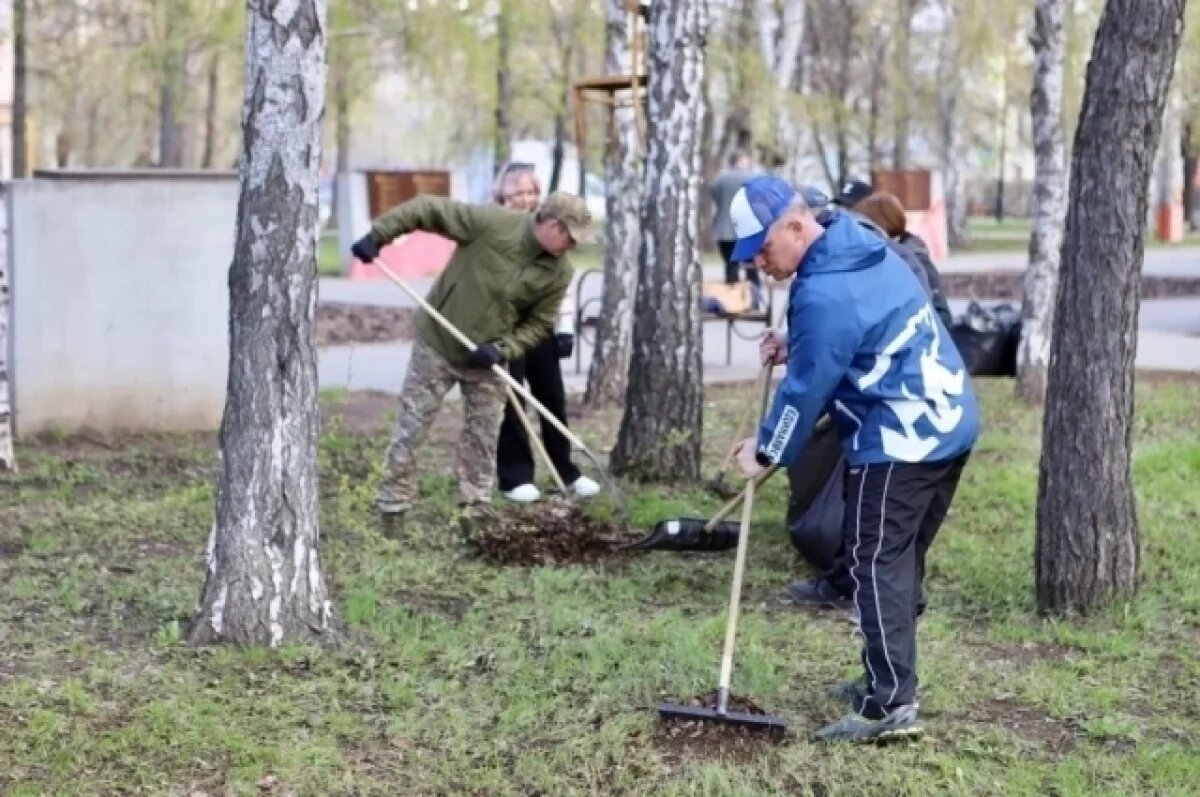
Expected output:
{"points": [[120, 305]]}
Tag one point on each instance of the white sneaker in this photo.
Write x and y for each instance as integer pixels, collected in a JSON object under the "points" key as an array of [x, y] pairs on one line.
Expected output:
{"points": [[583, 487], [524, 494]]}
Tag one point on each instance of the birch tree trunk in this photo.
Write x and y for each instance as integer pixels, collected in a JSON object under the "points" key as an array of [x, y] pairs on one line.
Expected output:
{"points": [[608, 375], [264, 581], [951, 63], [502, 144], [901, 83], [780, 34], [20, 84], [1087, 547], [8, 460], [659, 438], [1049, 200]]}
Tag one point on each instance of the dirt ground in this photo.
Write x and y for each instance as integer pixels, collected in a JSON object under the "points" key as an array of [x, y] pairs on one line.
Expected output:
{"points": [[552, 533], [706, 740], [342, 323]]}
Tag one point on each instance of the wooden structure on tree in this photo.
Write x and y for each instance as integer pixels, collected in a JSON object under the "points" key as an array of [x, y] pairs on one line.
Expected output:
{"points": [[619, 90]]}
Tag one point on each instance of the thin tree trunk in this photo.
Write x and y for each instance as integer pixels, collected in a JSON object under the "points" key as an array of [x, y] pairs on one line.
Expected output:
{"points": [[210, 112], [949, 86], [170, 129], [8, 460], [875, 103], [781, 32], [557, 152], [264, 582], [901, 84], [1049, 200], [20, 80], [1190, 160], [502, 145], [560, 124], [1087, 547], [659, 437], [341, 105], [608, 375]]}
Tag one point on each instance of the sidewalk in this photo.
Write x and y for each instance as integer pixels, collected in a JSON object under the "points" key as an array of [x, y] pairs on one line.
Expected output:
{"points": [[1168, 329]]}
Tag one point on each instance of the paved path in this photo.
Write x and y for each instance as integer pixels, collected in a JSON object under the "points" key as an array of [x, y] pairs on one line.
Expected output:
{"points": [[1168, 329], [1165, 261]]}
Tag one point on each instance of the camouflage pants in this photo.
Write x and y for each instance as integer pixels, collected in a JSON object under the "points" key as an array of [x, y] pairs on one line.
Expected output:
{"points": [[430, 377]]}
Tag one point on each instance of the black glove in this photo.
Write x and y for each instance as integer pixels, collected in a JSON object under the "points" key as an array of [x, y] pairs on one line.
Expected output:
{"points": [[564, 343], [485, 356], [366, 248]]}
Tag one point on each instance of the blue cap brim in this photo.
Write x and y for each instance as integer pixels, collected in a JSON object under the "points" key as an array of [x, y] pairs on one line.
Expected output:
{"points": [[746, 248]]}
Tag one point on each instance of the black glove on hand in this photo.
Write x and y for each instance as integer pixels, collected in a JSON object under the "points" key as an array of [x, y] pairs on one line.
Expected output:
{"points": [[564, 342], [366, 248], [485, 356]]}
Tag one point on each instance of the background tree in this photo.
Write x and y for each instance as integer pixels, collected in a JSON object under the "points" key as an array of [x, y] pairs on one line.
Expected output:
{"points": [[659, 437], [1049, 199], [1087, 548], [8, 460], [608, 375], [264, 582]]}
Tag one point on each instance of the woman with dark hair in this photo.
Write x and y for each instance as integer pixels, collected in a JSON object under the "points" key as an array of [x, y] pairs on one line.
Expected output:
{"points": [[517, 187]]}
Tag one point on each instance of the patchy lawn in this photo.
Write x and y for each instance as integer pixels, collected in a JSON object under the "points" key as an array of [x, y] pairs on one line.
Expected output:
{"points": [[463, 676]]}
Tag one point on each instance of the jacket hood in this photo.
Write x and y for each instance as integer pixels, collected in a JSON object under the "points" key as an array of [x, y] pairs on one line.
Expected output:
{"points": [[845, 246]]}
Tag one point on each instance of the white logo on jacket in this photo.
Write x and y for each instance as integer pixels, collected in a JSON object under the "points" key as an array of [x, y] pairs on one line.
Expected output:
{"points": [[783, 432], [930, 399]]}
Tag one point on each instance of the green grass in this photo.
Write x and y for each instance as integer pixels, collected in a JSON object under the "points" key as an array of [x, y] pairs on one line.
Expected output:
{"points": [[461, 678], [1012, 235], [329, 260]]}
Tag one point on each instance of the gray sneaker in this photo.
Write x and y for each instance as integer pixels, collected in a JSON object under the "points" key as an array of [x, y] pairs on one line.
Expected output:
{"points": [[901, 722]]}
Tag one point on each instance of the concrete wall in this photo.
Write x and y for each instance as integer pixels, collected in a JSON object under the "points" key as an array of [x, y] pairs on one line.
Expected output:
{"points": [[120, 305]]}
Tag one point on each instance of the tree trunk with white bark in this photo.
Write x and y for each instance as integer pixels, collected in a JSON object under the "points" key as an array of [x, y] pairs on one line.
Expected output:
{"points": [[659, 438], [264, 582], [1049, 200], [8, 459], [780, 34], [608, 375], [1087, 547]]}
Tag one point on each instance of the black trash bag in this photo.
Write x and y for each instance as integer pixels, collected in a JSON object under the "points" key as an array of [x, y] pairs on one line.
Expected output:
{"points": [[816, 502], [987, 339], [689, 534]]}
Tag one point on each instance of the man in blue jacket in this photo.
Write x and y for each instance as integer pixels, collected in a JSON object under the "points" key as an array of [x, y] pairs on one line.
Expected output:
{"points": [[865, 345]]}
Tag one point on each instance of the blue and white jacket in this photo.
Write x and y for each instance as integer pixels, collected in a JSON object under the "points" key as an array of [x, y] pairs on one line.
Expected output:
{"points": [[865, 345]]}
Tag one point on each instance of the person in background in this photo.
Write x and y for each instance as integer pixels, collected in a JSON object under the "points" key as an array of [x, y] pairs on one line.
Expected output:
{"points": [[502, 289], [518, 188], [723, 188], [887, 212], [864, 345]]}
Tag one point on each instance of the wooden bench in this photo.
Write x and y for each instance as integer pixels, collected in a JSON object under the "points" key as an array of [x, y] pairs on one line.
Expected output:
{"points": [[735, 324]]}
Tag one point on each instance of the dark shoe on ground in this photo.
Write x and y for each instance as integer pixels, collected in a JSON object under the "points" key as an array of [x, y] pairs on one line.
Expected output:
{"points": [[901, 722], [817, 592]]}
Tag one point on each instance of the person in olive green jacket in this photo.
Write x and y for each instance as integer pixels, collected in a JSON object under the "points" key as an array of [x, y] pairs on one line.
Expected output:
{"points": [[502, 289]]}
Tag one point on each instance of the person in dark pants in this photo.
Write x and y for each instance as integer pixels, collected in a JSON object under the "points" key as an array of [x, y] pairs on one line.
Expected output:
{"points": [[722, 190], [864, 345], [517, 187]]}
